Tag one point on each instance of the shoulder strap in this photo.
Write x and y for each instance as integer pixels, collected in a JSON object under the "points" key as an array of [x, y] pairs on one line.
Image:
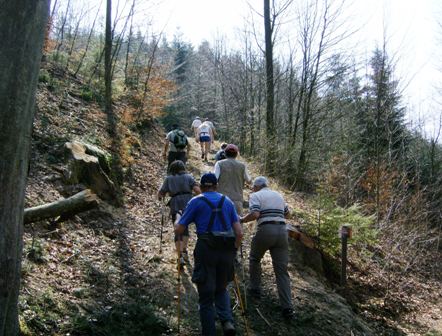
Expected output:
{"points": [[215, 210]]}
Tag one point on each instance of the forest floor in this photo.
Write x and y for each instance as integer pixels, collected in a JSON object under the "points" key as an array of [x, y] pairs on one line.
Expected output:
{"points": [[106, 271]]}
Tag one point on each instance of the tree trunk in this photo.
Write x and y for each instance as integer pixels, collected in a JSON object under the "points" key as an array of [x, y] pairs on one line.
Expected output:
{"points": [[82, 201], [61, 34], [88, 42], [270, 127], [108, 66], [22, 28]]}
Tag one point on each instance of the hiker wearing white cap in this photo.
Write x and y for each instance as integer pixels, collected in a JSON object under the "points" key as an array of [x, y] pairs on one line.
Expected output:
{"points": [[232, 175], [269, 210], [195, 124]]}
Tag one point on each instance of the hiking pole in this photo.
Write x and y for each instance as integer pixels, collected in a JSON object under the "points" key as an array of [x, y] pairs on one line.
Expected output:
{"points": [[163, 219], [243, 277], [179, 288], [241, 304]]}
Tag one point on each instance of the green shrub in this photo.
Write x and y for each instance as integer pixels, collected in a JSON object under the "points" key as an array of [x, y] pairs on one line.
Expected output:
{"points": [[87, 94], [41, 312], [44, 76], [36, 252], [332, 217]]}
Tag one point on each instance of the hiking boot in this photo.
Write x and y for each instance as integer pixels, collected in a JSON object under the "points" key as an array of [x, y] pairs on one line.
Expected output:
{"points": [[288, 314], [228, 328], [254, 293]]}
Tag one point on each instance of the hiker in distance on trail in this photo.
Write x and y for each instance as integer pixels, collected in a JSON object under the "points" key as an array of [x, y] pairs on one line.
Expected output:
{"points": [[269, 209], [212, 126], [195, 124], [205, 138], [177, 146], [219, 235], [180, 186], [232, 176]]}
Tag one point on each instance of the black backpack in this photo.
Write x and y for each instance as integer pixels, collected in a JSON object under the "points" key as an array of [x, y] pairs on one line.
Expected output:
{"points": [[222, 155], [179, 139]]}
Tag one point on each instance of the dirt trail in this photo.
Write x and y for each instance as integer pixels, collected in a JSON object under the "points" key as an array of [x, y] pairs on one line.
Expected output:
{"points": [[319, 310], [102, 273]]}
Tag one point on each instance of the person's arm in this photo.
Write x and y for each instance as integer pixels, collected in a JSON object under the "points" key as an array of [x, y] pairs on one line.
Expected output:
{"points": [[217, 170], [247, 177], [186, 218], [179, 229], [188, 147], [251, 216], [161, 195], [254, 209], [196, 189], [166, 148], [212, 136], [238, 233], [286, 211], [162, 192]]}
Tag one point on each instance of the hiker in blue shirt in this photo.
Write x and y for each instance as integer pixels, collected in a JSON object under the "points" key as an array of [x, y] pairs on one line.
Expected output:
{"points": [[219, 235]]}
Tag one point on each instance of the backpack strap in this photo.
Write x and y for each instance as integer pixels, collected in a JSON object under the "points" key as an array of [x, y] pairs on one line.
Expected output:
{"points": [[215, 210]]}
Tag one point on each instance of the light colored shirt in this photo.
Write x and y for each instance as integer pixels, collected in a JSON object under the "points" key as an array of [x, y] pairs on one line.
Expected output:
{"points": [[204, 129], [270, 204], [231, 175], [210, 124], [196, 123]]}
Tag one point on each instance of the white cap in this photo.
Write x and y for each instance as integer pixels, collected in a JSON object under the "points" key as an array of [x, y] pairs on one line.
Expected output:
{"points": [[260, 181]]}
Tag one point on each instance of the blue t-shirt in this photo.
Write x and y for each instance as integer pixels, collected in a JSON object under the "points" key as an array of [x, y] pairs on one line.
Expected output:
{"points": [[199, 212]]}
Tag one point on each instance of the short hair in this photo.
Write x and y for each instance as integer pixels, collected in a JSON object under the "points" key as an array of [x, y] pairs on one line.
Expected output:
{"points": [[177, 167], [175, 126], [260, 182], [223, 145]]}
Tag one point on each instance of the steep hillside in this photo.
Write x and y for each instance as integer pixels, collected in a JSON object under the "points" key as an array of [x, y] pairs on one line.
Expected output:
{"points": [[106, 272]]}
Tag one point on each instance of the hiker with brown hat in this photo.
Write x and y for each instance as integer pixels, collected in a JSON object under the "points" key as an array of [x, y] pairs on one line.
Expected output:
{"points": [[232, 176]]}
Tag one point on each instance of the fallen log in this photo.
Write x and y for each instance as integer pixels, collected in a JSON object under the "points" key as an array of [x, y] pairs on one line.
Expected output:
{"points": [[82, 201], [303, 250], [296, 234]]}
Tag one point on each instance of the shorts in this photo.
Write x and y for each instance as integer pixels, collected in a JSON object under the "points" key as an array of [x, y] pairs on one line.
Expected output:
{"points": [[204, 138]]}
